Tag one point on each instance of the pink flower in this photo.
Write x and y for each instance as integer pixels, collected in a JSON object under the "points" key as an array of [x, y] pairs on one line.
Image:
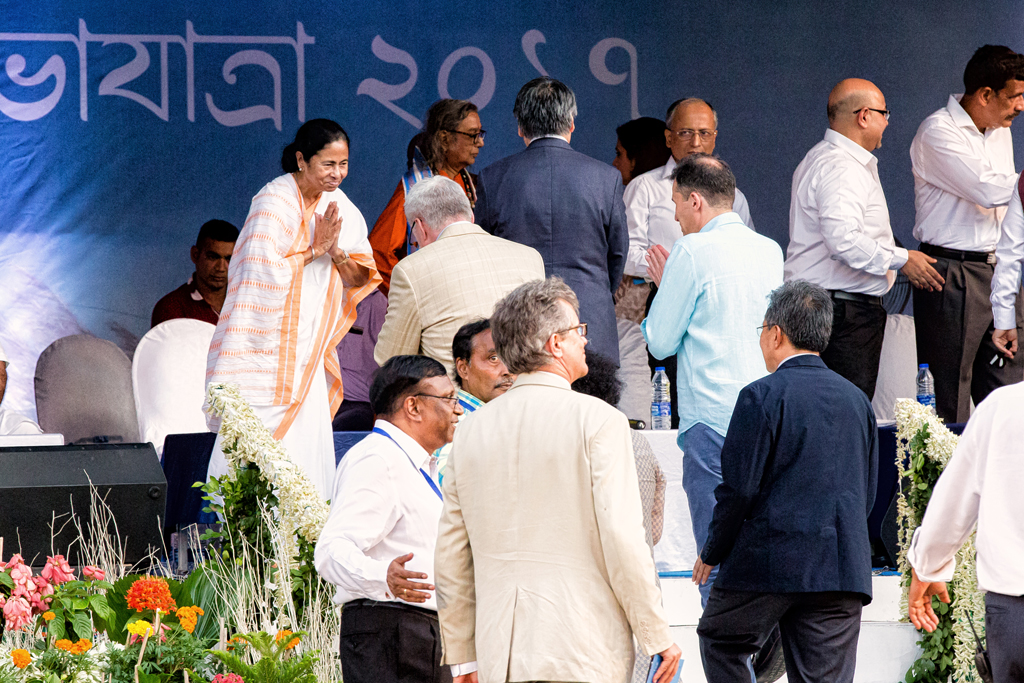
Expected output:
{"points": [[39, 597], [227, 678], [17, 613], [22, 576], [94, 573], [57, 570], [14, 561]]}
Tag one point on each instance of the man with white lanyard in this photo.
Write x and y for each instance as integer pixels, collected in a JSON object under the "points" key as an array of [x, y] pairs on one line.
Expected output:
{"points": [[378, 544]]}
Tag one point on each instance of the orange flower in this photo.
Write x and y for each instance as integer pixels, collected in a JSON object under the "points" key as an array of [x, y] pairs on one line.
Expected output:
{"points": [[21, 658], [64, 644], [284, 635], [150, 593], [49, 616], [188, 617], [81, 647]]}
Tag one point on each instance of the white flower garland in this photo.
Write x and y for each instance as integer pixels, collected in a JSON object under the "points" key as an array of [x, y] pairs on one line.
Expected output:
{"points": [[245, 439], [968, 601]]}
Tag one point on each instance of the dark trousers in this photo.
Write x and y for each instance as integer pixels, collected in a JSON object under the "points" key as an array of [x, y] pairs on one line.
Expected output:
{"points": [[858, 328], [387, 641], [819, 634], [353, 416], [954, 337], [1004, 636]]}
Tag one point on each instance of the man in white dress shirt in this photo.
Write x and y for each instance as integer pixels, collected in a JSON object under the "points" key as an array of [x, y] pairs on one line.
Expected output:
{"points": [[378, 544], [964, 175], [691, 128], [980, 485], [10, 421], [839, 233]]}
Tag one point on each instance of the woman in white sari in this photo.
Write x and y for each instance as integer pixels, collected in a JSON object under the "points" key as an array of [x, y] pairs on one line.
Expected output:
{"points": [[301, 264]]}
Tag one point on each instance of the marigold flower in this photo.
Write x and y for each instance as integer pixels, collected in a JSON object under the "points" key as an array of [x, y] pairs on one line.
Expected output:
{"points": [[64, 644], [82, 646], [140, 628], [284, 635], [188, 617], [149, 593], [21, 658], [49, 616]]}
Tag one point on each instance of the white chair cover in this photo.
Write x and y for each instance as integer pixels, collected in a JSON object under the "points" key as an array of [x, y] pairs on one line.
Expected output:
{"points": [[169, 379]]}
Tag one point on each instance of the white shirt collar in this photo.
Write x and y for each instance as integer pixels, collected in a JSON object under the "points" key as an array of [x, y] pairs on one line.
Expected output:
{"points": [[796, 355], [541, 137], [670, 165], [416, 452], [960, 116], [852, 148]]}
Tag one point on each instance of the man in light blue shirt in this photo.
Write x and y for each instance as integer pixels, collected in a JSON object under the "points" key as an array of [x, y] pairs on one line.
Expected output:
{"points": [[712, 295]]}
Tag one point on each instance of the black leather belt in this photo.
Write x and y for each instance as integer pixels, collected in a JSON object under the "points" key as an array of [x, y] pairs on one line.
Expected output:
{"points": [[957, 255], [854, 296], [366, 602]]}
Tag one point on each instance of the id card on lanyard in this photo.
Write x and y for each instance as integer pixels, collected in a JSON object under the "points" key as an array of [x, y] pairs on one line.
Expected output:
{"points": [[430, 481]]}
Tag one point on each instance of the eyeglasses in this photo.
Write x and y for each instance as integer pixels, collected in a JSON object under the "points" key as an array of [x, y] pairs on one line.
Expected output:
{"points": [[762, 328], [454, 399], [686, 134], [581, 328], [475, 137], [883, 112]]}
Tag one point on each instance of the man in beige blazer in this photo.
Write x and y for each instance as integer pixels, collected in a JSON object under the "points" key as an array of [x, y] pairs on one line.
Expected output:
{"points": [[457, 275], [542, 569]]}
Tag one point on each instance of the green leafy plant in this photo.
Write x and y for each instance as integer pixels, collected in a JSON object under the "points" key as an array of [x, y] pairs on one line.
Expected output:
{"points": [[77, 606], [274, 660]]}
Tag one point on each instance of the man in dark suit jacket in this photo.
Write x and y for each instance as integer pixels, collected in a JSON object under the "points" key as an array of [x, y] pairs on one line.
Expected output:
{"points": [[799, 469], [562, 203]]}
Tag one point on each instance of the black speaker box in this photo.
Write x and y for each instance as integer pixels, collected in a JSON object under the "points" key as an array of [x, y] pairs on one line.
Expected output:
{"points": [[41, 485]]}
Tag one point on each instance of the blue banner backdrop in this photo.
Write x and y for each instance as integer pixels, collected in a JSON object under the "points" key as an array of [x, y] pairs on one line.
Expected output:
{"points": [[125, 126]]}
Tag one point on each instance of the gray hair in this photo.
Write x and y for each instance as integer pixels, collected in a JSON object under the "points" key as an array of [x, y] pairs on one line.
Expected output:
{"points": [[804, 313], [437, 201], [545, 106], [688, 100], [526, 318]]}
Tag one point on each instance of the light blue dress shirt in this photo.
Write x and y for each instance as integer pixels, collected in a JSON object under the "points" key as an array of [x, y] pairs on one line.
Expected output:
{"points": [[712, 299]]}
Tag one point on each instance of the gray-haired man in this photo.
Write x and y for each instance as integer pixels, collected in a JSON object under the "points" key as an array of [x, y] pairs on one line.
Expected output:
{"points": [[542, 521], [562, 203], [456, 276], [790, 529]]}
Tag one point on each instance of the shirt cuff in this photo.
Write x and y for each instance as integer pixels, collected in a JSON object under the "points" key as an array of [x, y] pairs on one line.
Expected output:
{"points": [[1004, 318], [463, 669], [899, 258], [916, 559]]}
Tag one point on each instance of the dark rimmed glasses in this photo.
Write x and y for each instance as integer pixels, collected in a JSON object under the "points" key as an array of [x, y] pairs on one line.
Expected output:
{"points": [[883, 112], [454, 400], [475, 137], [581, 329]]}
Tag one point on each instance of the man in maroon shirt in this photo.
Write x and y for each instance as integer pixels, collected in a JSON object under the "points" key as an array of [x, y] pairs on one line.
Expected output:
{"points": [[203, 295]]}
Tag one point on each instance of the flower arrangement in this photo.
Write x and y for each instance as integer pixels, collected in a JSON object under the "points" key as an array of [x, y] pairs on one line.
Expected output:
{"points": [[924, 446]]}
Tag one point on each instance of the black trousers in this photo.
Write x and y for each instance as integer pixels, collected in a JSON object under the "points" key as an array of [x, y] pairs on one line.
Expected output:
{"points": [[388, 641], [819, 634], [1004, 636], [858, 328], [954, 336]]}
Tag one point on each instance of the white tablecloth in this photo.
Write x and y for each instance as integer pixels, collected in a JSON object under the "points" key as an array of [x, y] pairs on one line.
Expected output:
{"points": [[676, 550]]}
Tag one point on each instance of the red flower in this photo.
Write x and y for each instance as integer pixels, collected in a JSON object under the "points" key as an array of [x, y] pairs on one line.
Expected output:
{"points": [[150, 593]]}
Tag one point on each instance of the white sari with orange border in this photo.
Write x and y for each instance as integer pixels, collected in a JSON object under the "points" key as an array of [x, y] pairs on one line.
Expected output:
{"points": [[281, 323]]}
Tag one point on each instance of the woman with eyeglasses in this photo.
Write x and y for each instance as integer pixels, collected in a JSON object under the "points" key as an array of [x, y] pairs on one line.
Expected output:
{"points": [[449, 144]]}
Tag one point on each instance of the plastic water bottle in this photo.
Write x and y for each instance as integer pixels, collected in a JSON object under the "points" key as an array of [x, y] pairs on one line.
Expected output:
{"points": [[661, 402], [925, 386]]}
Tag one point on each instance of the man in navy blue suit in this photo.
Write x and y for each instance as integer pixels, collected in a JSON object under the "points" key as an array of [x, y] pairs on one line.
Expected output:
{"points": [[790, 530], [562, 203]]}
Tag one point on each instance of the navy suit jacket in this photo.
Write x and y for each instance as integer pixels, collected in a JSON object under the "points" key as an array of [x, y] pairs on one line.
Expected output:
{"points": [[799, 470], [568, 207]]}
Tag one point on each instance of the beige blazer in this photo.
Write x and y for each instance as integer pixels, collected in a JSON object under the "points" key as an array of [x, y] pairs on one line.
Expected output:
{"points": [[541, 567], [447, 284]]}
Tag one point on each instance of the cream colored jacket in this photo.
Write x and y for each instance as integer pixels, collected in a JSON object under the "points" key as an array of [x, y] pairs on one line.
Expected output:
{"points": [[541, 567], [447, 284]]}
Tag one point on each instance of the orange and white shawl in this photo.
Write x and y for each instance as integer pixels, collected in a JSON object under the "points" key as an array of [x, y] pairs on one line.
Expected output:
{"points": [[256, 345]]}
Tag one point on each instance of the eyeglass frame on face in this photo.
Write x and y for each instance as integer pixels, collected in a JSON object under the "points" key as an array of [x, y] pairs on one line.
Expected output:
{"points": [[762, 328], [884, 112], [581, 329], [475, 137], [453, 399], [686, 134]]}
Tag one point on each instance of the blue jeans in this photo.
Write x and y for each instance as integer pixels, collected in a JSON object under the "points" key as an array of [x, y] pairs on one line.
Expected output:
{"points": [[702, 473]]}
